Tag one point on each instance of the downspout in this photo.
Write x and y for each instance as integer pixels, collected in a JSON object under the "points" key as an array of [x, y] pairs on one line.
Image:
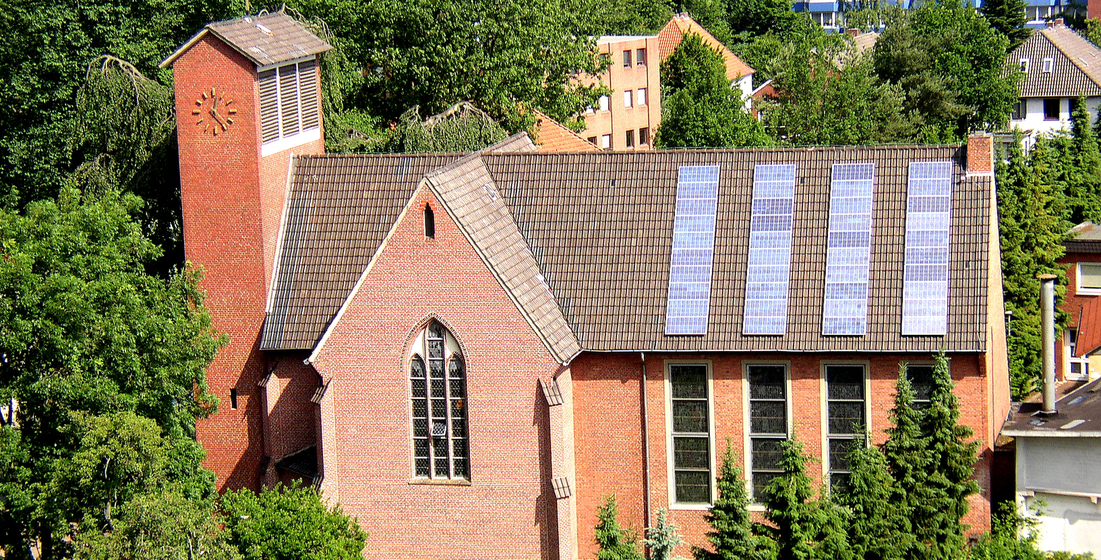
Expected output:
{"points": [[645, 445]]}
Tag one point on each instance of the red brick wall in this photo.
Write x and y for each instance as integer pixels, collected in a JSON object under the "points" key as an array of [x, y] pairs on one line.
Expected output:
{"points": [[1072, 303], [232, 203], [608, 426], [291, 414], [507, 510]]}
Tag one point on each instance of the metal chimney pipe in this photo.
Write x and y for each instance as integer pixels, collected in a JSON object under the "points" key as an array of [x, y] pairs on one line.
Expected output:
{"points": [[1047, 336]]}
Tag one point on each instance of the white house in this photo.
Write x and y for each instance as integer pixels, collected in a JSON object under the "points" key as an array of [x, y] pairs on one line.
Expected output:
{"points": [[1059, 65]]}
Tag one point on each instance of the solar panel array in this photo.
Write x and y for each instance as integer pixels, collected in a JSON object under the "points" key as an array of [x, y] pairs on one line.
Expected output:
{"points": [[693, 247], [769, 267], [845, 309], [928, 216]]}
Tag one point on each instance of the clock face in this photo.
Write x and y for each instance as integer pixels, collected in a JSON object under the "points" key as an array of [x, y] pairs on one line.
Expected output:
{"points": [[214, 112]]}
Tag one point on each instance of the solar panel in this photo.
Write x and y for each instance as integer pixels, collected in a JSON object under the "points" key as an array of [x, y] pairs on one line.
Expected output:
{"points": [[925, 280], [768, 272], [845, 309], [693, 246]]}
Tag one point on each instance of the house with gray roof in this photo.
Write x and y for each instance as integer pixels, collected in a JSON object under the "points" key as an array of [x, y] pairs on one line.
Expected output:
{"points": [[1059, 66], [469, 352]]}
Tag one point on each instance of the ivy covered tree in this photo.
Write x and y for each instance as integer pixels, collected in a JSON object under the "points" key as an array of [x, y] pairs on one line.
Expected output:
{"points": [[732, 535], [1030, 205], [699, 108], [615, 543]]}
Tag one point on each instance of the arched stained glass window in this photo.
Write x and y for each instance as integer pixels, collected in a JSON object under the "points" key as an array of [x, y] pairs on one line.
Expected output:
{"points": [[440, 449]]}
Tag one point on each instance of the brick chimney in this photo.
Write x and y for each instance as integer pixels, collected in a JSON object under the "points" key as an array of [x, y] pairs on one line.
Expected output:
{"points": [[248, 97], [980, 154]]}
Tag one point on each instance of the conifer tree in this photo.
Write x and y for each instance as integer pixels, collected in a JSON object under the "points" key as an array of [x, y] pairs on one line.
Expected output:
{"points": [[951, 466], [662, 538], [804, 529], [731, 535], [615, 543], [879, 527], [1082, 168], [907, 461], [1008, 18]]}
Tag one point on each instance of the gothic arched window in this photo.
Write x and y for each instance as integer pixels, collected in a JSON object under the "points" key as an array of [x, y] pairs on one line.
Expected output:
{"points": [[437, 375]]}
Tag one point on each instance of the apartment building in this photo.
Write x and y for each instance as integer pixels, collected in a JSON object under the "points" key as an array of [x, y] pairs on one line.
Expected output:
{"points": [[627, 118]]}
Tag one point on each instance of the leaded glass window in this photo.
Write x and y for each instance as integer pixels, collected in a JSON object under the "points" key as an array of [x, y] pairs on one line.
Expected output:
{"points": [[921, 381], [438, 391], [846, 423], [691, 433], [768, 423]]}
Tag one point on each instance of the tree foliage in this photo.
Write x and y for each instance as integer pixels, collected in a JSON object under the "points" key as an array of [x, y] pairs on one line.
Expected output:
{"points": [[99, 355], [290, 523], [662, 538], [733, 535], [461, 128], [1008, 18], [699, 107], [615, 543]]}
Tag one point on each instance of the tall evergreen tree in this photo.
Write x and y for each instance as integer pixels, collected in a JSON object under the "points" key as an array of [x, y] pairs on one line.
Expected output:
{"points": [[908, 462], [951, 456], [1030, 202], [879, 525], [1082, 168], [731, 535], [1008, 18], [615, 543]]}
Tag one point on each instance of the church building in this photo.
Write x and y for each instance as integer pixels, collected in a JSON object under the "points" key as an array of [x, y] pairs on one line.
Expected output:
{"points": [[469, 352]]}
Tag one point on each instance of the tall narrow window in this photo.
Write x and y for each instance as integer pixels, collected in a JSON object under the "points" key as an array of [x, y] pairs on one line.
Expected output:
{"points": [[845, 422], [641, 94], [643, 136], [630, 137], [921, 381], [691, 433], [603, 102], [1077, 367], [429, 222], [440, 447], [628, 97], [233, 398], [640, 57], [768, 423], [626, 58]]}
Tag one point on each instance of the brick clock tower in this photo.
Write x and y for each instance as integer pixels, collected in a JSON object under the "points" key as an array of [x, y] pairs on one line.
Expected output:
{"points": [[248, 98]]}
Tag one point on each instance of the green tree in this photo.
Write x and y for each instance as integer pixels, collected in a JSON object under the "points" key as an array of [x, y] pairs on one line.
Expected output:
{"points": [[803, 528], [615, 543], [732, 536], [161, 525], [827, 94], [662, 538], [879, 526], [908, 463], [1081, 170], [699, 108], [712, 15], [87, 334], [1008, 18], [290, 523], [461, 128], [1031, 232], [951, 64]]}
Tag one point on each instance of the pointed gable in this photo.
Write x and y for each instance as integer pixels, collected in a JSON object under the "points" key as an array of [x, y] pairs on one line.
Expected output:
{"points": [[266, 39], [670, 37], [1075, 67]]}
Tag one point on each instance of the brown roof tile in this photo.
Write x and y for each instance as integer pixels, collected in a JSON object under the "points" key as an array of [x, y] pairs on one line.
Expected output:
{"points": [[599, 231], [1076, 66], [266, 39], [551, 137], [672, 34]]}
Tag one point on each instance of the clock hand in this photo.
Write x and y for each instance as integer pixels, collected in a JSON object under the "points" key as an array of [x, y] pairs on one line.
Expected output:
{"points": [[214, 114]]}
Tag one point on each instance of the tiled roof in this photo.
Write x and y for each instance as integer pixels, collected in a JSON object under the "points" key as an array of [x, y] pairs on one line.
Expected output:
{"points": [[339, 210], [599, 229], [1076, 68], [1084, 238], [266, 39], [1088, 323], [551, 136], [670, 36], [468, 193]]}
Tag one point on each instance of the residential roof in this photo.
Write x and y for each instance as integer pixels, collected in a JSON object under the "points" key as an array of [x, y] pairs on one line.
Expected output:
{"points": [[1079, 415], [1084, 238], [599, 229], [672, 34], [865, 41], [552, 136], [265, 39], [1076, 64]]}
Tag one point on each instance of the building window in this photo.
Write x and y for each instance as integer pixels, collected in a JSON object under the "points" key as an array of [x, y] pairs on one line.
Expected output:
{"points": [[606, 141], [603, 102], [289, 101], [429, 222], [628, 98], [233, 399], [768, 423], [630, 139], [1089, 277], [605, 60], [1049, 65], [1024, 65], [439, 406], [1051, 109], [626, 58], [1078, 367], [640, 57], [641, 94], [643, 136], [845, 402], [1018, 110], [921, 381], [691, 433], [592, 140]]}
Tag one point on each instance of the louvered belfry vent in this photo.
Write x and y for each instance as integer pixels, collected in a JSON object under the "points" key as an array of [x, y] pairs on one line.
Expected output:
{"points": [[288, 99], [289, 103], [307, 80], [269, 106]]}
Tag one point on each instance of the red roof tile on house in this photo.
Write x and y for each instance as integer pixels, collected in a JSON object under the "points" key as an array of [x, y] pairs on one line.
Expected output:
{"points": [[672, 34], [552, 136]]}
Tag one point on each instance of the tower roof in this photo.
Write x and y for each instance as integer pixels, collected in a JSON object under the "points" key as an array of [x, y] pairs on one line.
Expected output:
{"points": [[264, 39]]}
